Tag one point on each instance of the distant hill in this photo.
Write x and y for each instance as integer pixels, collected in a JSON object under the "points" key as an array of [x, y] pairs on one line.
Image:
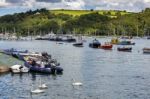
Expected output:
{"points": [[86, 22], [111, 13]]}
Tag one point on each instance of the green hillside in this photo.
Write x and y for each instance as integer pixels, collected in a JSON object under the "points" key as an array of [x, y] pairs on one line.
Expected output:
{"points": [[98, 22], [111, 13]]}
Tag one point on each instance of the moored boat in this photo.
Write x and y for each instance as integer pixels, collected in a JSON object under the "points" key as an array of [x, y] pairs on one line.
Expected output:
{"points": [[68, 39], [42, 64], [19, 69], [48, 69], [78, 44], [125, 49], [106, 46], [126, 37], [114, 41], [126, 43], [146, 50], [95, 44], [21, 55], [12, 50], [57, 39]]}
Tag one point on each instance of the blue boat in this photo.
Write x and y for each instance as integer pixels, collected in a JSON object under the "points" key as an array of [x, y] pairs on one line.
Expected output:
{"points": [[48, 69], [50, 66], [95, 44], [12, 51]]}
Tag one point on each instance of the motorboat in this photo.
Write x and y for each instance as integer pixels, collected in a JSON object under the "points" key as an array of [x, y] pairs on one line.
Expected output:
{"points": [[19, 69], [12, 50], [126, 37], [125, 49], [95, 44], [126, 43], [78, 44], [21, 55], [106, 46], [48, 69], [115, 41], [69, 39], [146, 50]]}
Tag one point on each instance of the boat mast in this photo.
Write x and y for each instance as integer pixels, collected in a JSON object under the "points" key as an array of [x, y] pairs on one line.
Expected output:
{"points": [[40, 33], [5, 33], [15, 32], [29, 33], [137, 30]]}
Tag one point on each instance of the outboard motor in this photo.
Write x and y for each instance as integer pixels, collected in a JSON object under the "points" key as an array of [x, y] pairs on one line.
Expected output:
{"points": [[53, 69]]}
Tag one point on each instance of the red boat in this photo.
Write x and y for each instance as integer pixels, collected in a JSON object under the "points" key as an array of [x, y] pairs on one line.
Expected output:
{"points": [[106, 46]]}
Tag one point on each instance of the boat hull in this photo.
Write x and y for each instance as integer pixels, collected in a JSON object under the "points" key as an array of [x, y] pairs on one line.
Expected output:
{"points": [[47, 70], [19, 69], [146, 50], [125, 49], [106, 46], [126, 43], [78, 44]]}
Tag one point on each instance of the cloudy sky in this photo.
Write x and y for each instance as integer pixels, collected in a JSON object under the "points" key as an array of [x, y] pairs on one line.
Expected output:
{"points": [[12, 6]]}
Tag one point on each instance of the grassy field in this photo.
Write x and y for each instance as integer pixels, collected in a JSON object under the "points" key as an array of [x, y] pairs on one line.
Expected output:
{"points": [[81, 12], [6, 60]]}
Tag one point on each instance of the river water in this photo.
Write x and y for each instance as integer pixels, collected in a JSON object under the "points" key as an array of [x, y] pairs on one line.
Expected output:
{"points": [[105, 74]]}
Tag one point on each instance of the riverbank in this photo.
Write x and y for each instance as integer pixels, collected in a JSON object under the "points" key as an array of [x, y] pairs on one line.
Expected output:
{"points": [[4, 69]]}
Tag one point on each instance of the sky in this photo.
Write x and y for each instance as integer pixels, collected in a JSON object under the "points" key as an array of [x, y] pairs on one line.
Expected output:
{"points": [[14, 6]]}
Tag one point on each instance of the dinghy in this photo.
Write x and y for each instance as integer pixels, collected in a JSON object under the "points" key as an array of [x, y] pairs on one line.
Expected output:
{"points": [[19, 69]]}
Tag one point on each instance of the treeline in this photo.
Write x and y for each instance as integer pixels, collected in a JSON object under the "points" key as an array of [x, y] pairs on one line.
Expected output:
{"points": [[43, 21]]}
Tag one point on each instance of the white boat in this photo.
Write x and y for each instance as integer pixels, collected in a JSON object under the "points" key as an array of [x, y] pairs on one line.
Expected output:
{"points": [[146, 50], [19, 69]]}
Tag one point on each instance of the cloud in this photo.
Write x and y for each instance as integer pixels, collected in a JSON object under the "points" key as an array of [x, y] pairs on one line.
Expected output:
{"points": [[129, 5], [49, 1], [3, 3], [50, 4], [15, 1]]}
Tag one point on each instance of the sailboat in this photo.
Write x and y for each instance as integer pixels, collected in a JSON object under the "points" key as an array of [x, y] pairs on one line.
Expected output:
{"points": [[79, 43], [137, 33]]}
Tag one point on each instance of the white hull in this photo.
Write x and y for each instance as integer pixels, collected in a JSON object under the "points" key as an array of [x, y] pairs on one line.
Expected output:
{"points": [[19, 69], [148, 52]]}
